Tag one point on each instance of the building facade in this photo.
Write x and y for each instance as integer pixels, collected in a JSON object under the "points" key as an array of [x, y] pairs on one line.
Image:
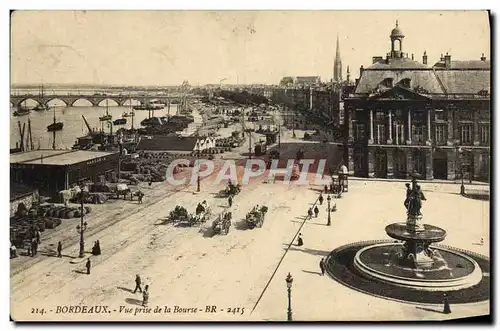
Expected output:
{"points": [[405, 118]]}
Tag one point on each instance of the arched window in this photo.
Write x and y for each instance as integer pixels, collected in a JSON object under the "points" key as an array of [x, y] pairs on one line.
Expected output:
{"points": [[387, 82], [406, 83]]}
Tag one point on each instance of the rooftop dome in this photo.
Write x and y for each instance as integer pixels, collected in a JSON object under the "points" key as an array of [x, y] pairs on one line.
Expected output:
{"points": [[397, 32]]}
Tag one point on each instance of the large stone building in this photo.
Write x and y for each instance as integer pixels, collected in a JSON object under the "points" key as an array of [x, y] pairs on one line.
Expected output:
{"points": [[405, 117]]}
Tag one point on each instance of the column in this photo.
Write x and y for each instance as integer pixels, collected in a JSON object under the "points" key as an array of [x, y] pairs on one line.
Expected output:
{"points": [[371, 162], [390, 163], [348, 119], [350, 161], [429, 165], [476, 127], [429, 137], [409, 162], [449, 118], [451, 160], [389, 140], [408, 140], [371, 127]]}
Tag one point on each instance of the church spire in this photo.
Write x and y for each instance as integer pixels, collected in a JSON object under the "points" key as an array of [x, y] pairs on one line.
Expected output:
{"points": [[337, 67]]}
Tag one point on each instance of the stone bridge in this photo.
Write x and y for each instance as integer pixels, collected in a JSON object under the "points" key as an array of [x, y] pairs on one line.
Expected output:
{"points": [[95, 100]]}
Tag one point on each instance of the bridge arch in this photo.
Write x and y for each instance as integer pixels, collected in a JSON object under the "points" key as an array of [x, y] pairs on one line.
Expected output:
{"points": [[131, 101], [111, 102], [55, 102], [29, 102], [78, 103]]}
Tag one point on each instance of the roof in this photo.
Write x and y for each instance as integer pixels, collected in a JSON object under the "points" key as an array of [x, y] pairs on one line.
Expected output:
{"points": [[56, 157], [458, 80], [167, 143], [18, 190], [471, 64]]}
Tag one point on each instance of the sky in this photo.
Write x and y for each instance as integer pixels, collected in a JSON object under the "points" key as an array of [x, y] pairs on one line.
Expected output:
{"points": [[245, 47]]}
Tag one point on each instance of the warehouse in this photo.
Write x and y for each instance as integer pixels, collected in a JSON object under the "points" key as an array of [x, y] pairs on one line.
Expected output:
{"points": [[51, 171]]}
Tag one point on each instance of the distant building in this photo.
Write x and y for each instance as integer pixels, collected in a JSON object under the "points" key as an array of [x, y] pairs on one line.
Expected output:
{"points": [[337, 65], [175, 145], [406, 118], [51, 171], [307, 81], [286, 81], [21, 196]]}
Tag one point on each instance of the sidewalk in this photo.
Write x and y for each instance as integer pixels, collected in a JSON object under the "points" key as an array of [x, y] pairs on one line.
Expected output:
{"points": [[429, 181]]}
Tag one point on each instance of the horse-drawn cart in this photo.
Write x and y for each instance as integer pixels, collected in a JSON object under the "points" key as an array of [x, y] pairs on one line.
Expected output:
{"points": [[255, 218], [231, 190], [222, 223]]}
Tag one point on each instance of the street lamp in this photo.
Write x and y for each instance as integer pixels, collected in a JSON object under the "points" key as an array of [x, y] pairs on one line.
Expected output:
{"points": [[198, 167], [289, 281], [329, 210], [82, 227]]}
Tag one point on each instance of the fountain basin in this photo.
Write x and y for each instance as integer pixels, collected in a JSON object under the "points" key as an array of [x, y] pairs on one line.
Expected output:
{"points": [[381, 262], [431, 234]]}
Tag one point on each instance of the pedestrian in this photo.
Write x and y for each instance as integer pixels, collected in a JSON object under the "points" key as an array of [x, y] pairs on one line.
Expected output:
{"points": [[137, 283], [145, 296], [446, 309], [310, 212], [230, 200], [59, 249], [326, 189], [98, 247], [322, 266], [320, 199], [150, 183], [300, 242], [316, 211], [38, 235], [87, 265], [34, 247]]}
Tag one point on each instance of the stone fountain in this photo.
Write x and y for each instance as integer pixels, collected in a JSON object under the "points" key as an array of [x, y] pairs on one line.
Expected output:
{"points": [[412, 261]]}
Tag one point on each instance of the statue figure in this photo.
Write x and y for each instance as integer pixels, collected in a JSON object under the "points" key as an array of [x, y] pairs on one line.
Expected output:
{"points": [[415, 201]]}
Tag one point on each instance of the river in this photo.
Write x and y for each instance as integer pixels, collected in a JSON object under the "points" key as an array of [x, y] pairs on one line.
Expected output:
{"points": [[74, 125]]}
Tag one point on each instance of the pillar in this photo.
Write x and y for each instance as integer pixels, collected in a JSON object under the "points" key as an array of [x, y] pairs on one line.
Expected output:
{"points": [[409, 162], [429, 165], [408, 139], [371, 162], [451, 161], [350, 161], [476, 128], [456, 132], [371, 127], [348, 119], [390, 163], [389, 140], [449, 117], [429, 136]]}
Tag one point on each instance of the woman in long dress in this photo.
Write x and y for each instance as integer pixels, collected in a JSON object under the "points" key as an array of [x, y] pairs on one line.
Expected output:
{"points": [[145, 296]]}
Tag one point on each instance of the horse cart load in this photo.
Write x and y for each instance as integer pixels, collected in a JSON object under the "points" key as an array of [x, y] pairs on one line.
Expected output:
{"points": [[231, 190], [180, 216], [255, 218], [222, 223]]}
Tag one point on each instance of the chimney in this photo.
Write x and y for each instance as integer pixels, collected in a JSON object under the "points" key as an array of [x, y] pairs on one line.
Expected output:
{"points": [[412, 57], [483, 58], [361, 69], [442, 58], [447, 61], [424, 58]]}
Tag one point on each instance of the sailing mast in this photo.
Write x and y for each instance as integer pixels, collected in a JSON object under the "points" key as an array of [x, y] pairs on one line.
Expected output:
{"points": [[54, 132], [131, 109]]}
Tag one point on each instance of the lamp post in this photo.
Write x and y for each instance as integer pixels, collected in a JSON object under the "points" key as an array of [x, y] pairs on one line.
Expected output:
{"points": [[293, 124], [82, 226], [289, 281], [198, 168], [329, 210]]}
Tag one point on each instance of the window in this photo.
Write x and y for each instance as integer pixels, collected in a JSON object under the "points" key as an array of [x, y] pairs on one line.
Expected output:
{"points": [[399, 133], [379, 115], [485, 134], [406, 83], [441, 134], [399, 161], [440, 115], [380, 134], [359, 160], [359, 131], [418, 134], [388, 82], [465, 115], [380, 162], [466, 131], [419, 162]]}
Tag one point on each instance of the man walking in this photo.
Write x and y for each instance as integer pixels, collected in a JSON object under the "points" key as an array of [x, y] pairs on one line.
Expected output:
{"points": [[316, 211], [88, 266], [59, 249], [137, 283], [230, 201], [322, 266], [320, 199], [310, 212]]}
